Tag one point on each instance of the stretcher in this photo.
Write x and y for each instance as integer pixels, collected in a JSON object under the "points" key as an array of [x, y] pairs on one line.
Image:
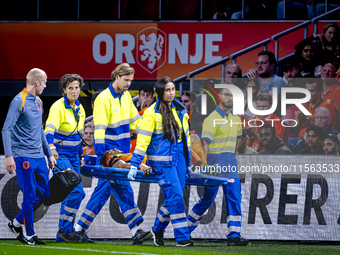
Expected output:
{"points": [[196, 179]]}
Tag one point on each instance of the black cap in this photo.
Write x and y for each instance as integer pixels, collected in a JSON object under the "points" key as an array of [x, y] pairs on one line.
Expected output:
{"points": [[289, 66]]}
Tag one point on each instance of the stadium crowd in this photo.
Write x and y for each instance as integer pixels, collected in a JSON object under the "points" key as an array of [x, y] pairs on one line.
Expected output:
{"points": [[315, 66]]}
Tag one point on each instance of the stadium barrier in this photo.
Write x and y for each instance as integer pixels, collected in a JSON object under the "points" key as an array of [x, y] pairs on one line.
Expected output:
{"points": [[283, 198]]}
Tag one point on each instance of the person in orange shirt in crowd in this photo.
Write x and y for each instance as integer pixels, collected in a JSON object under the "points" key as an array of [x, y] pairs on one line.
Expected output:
{"points": [[88, 139], [145, 99], [196, 119], [255, 85], [331, 88], [338, 75], [314, 85], [242, 147], [263, 102]]}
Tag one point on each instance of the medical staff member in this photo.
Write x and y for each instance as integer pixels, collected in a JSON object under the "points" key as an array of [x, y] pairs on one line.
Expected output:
{"points": [[220, 143], [164, 137], [25, 149], [114, 116], [63, 130]]}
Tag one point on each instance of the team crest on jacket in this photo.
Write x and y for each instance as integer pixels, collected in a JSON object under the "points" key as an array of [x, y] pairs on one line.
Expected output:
{"points": [[151, 45], [26, 165]]}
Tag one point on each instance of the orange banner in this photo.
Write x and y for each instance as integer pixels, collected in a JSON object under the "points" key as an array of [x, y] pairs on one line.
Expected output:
{"points": [[93, 50]]}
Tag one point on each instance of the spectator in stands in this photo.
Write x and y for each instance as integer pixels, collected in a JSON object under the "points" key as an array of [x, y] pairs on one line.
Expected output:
{"points": [[338, 75], [145, 98], [224, 9], [314, 86], [211, 101], [265, 72], [296, 9], [88, 137], [185, 100], [196, 119], [298, 144], [331, 145], [328, 41], [291, 74], [257, 9], [322, 121], [293, 79], [233, 75], [332, 4], [305, 57], [314, 137], [255, 86], [336, 52], [331, 88], [93, 98], [271, 143], [263, 102], [317, 71], [242, 147]]}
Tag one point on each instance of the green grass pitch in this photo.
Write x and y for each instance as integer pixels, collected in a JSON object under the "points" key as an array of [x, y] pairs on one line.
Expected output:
{"points": [[13, 247]]}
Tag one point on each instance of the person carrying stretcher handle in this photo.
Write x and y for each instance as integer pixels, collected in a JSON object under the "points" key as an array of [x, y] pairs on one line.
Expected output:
{"points": [[164, 137]]}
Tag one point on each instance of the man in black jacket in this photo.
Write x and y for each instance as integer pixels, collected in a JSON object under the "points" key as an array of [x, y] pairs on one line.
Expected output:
{"points": [[271, 143]]}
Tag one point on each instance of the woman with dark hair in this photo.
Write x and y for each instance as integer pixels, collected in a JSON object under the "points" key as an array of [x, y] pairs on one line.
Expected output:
{"points": [[306, 57], [63, 130], [164, 138]]}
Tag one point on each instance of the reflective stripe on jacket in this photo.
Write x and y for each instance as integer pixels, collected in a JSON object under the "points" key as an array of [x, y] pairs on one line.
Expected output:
{"points": [[114, 116], [62, 128], [151, 141]]}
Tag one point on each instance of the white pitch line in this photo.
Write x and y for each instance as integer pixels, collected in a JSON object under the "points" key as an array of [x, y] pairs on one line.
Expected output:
{"points": [[75, 249]]}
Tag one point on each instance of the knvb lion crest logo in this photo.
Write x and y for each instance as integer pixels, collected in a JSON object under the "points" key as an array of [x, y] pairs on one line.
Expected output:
{"points": [[26, 165], [151, 49]]}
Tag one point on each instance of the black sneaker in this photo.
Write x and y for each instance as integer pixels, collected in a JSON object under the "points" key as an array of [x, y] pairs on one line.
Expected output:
{"points": [[141, 236], [67, 237], [185, 243], [158, 238], [34, 240], [237, 241], [18, 231], [82, 236]]}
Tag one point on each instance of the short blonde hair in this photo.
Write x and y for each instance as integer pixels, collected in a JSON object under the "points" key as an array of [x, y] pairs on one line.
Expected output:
{"points": [[264, 97], [121, 70], [89, 125], [34, 75]]}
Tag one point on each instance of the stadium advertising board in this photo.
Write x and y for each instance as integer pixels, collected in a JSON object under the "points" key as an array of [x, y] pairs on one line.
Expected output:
{"points": [[280, 201]]}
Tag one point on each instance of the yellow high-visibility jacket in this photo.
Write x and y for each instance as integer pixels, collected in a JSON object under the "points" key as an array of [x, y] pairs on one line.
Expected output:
{"points": [[114, 116], [151, 141], [64, 128]]}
